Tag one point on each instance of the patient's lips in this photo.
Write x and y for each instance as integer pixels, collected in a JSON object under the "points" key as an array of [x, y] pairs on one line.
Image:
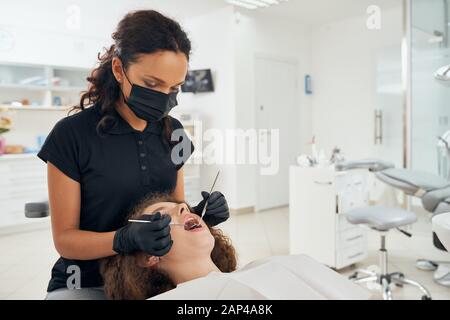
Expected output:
{"points": [[192, 223]]}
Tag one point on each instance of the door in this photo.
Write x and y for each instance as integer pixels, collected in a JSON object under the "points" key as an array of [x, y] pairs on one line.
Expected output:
{"points": [[276, 109]]}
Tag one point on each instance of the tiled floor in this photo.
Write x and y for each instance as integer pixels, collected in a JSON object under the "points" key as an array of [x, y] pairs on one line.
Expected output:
{"points": [[26, 258]]}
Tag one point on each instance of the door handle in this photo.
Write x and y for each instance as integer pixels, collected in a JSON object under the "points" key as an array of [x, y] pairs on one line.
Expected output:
{"points": [[327, 183], [378, 127]]}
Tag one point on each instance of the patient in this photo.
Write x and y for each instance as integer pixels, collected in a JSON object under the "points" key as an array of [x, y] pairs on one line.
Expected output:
{"points": [[194, 254], [201, 265]]}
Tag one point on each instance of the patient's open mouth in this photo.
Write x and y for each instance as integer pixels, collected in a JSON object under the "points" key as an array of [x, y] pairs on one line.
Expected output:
{"points": [[192, 223]]}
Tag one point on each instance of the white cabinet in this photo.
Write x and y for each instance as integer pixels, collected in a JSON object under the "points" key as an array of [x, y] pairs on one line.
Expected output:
{"points": [[318, 197], [23, 178]]}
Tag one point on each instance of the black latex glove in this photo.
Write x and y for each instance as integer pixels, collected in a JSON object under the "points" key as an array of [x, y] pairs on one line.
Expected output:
{"points": [[152, 238], [217, 210]]}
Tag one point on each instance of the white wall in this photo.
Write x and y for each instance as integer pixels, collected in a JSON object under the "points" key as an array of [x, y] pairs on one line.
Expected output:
{"points": [[345, 58], [41, 35]]}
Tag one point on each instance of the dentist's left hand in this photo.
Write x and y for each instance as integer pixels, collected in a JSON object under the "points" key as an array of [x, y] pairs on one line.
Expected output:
{"points": [[217, 210], [152, 238]]}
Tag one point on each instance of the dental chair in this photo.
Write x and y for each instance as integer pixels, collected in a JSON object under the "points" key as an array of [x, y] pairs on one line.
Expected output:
{"points": [[37, 210], [441, 227], [434, 192]]}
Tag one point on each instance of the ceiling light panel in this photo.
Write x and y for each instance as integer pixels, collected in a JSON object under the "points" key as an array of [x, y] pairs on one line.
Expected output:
{"points": [[254, 4]]}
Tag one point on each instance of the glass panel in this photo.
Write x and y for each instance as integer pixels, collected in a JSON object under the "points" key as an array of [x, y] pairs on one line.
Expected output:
{"points": [[430, 96]]}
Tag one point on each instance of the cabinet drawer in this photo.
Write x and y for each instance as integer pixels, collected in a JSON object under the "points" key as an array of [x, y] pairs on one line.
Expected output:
{"points": [[350, 255], [342, 182], [26, 193], [345, 201], [351, 237], [24, 182], [342, 224]]}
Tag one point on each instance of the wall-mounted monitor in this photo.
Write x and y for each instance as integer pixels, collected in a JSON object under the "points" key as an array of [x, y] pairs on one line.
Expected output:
{"points": [[198, 81]]}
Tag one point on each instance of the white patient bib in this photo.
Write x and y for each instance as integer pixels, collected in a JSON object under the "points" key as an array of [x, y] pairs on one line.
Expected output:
{"points": [[283, 277]]}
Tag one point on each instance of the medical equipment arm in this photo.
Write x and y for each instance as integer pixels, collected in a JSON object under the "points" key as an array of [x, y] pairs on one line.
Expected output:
{"points": [[373, 165]]}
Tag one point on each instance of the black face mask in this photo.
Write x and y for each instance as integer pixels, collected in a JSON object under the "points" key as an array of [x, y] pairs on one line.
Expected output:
{"points": [[148, 104]]}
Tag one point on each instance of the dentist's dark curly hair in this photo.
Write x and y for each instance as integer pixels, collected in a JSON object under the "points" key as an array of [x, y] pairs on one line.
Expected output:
{"points": [[124, 279], [139, 32]]}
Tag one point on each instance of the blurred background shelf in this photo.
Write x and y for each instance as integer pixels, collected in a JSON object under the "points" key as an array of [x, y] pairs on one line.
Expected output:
{"points": [[36, 108], [41, 85], [18, 156], [67, 89], [23, 87]]}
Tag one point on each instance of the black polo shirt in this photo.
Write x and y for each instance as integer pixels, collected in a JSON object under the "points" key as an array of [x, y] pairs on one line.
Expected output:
{"points": [[116, 167]]}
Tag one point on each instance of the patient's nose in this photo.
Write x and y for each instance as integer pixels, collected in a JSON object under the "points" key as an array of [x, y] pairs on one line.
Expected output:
{"points": [[182, 209]]}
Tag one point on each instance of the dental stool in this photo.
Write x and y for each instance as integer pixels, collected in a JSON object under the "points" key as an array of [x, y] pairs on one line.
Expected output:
{"points": [[433, 190], [383, 219]]}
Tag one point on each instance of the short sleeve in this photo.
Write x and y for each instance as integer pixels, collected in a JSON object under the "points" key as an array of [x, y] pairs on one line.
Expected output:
{"points": [[61, 149], [182, 147]]}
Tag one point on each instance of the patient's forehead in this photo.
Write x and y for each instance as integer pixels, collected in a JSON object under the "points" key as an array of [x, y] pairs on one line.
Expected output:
{"points": [[159, 206]]}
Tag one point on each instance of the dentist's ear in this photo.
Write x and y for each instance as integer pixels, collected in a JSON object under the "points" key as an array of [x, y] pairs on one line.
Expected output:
{"points": [[147, 261]]}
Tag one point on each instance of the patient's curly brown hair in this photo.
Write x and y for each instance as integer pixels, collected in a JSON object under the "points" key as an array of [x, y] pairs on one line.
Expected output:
{"points": [[124, 279]]}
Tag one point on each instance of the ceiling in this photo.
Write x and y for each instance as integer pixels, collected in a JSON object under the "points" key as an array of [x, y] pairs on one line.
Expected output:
{"points": [[309, 12], [303, 11], [181, 9], [313, 12]]}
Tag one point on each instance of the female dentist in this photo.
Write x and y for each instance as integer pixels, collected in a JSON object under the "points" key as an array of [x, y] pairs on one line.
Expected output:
{"points": [[104, 159]]}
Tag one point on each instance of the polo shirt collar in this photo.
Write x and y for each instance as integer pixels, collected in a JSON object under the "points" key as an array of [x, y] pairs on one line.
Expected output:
{"points": [[120, 126]]}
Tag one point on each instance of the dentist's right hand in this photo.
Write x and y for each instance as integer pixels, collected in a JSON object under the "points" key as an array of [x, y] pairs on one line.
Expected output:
{"points": [[152, 238]]}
